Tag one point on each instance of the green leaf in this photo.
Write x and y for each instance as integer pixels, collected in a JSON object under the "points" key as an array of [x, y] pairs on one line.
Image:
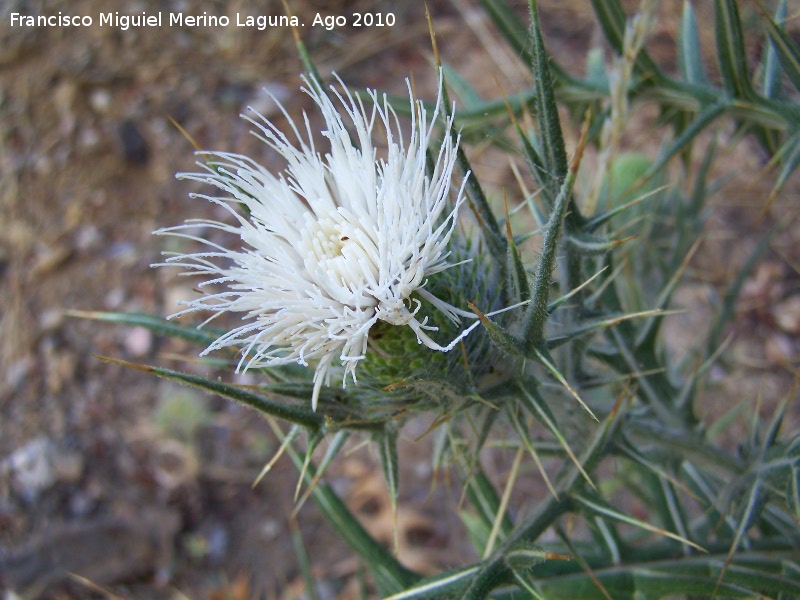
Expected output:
{"points": [[785, 47], [596, 326], [484, 498], [477, 530], [790, 158], [491, 575], [519, 424], [751, 575], [536, 406], [282, 410], [701, 190], [793, 490], [591, 245], [439, 586], [708, 497], [543, 356], [731, 50], [690, 58], [305, 57], [536, 313], [464, 91], [771, 435], [334, 447], [749, 513], [501, 338], [516, 274], [468, 120], [502, 516], [524, 555], [608, 536], [510, 27], [684, 140], [303, 560], [677, 514], [771, 80], [387, 450], [527, 584], [533, 159], [314, 440], [552, 306], [555, 156], [600, 507]]}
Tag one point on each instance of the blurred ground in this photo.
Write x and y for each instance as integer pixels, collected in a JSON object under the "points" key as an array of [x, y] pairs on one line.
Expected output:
{"points": [[145, 488]]}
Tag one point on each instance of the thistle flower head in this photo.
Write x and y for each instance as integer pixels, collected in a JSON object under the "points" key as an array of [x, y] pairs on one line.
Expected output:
{"points": [[333, 244]]}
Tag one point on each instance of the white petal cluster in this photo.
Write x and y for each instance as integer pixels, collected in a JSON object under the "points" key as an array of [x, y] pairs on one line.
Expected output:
{"points": [[335, 242]]}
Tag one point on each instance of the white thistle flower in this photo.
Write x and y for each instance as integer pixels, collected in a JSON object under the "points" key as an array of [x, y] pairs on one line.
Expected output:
{"points": [[333, 244]]}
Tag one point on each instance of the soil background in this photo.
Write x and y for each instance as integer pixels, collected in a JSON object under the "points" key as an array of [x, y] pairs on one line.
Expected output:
{"points": [[142, 489]]}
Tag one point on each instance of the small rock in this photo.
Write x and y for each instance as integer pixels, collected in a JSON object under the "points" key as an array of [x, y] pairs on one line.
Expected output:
{"points": [[51, 319], [42, 164], [779, 349], [124, 253], [88, 138], [87, 237], [39, 465], [100, 101], [787, 315], [139, 341], [114, 298], [82, 504], [270, 529], [30, 468], [19, 370]]}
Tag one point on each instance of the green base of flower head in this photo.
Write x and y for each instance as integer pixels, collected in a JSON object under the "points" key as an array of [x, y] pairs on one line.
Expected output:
{"points": [[399, 372]]}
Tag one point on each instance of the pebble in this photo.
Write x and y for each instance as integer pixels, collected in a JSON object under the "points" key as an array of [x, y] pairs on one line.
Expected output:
{"points": [[787, 315], [51, 319], [38, 465], [88, 138], [139, 341], [87, 237], [779, 349], [18, 371], [114, 298], [217, 542], [100, 100], [124, 253]]}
